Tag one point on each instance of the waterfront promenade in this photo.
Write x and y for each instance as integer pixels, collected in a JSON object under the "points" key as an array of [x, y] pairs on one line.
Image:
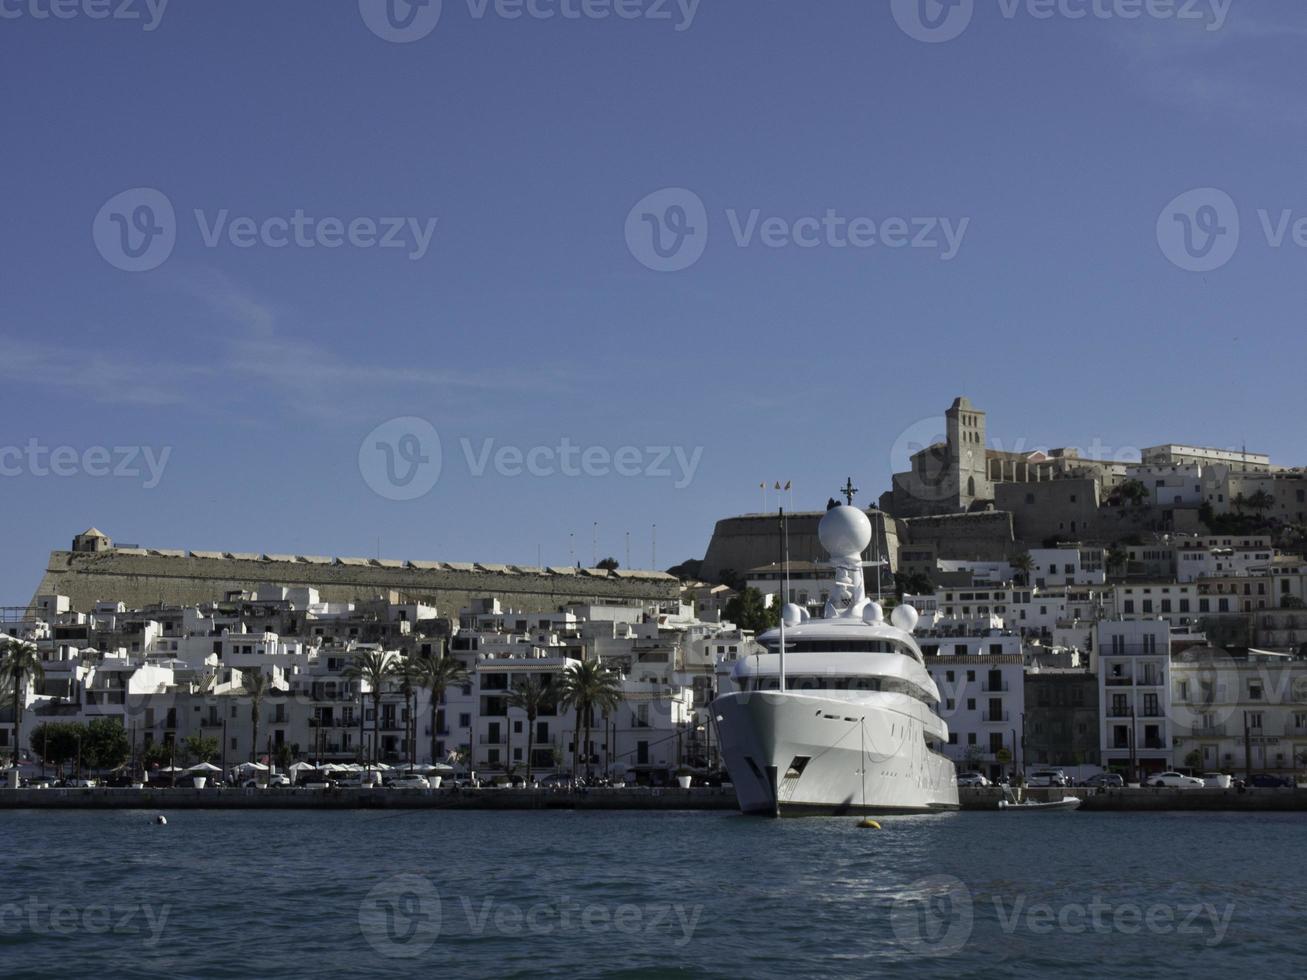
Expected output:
{"points": [[625, 798]]}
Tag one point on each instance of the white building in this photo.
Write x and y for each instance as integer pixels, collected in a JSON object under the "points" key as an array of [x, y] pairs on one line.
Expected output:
{"points": [[1134, 688]]}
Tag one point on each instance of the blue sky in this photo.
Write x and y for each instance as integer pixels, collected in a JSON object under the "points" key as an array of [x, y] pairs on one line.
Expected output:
{"points": [[531, 315]]}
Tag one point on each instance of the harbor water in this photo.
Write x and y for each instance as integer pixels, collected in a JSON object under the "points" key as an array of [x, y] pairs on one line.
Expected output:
{"points": [[641, 894]]}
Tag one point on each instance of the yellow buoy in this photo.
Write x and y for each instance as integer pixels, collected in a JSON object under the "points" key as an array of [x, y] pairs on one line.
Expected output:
{"points": [[868, 823]]}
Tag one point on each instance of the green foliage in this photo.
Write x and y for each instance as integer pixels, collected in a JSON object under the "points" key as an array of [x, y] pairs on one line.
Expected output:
{"points": [[916, 583], [157, 754], [55, 742], [747, 611], [200, 748], [106, 745], [609, 563]]}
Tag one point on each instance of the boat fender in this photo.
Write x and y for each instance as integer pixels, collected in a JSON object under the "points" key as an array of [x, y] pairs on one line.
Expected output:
{"points": [[868, 824], [161, 819]]}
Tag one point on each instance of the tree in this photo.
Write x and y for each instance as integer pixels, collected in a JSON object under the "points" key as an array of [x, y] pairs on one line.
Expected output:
{"points": [[1193, 759], [1117, 558], [55, 742], [200, 748], [529, 696], [1024, 564], [609, 563], [914, 583], [255, 686], [20, 664], [373, 668], [105, 744], [1133, 492], [747, 611], [404, 670], [1260, 502], [437, 673], [588, 685]]}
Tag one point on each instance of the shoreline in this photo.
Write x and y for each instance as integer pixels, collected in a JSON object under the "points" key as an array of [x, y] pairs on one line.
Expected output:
{"points": [[630, 798]]}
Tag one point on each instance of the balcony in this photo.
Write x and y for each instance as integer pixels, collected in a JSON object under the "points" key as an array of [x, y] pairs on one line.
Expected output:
{"points": [[1000, 688], [494, 741], [995, 717]]}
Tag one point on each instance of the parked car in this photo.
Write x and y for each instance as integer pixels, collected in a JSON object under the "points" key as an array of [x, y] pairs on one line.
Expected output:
{"points": [[1046, 777], [972, 779], [1175, 780], [356, 780], [1108, 780], [254, 782], [410, 780], [1217, 780], [316, 780], [561, 780], [1264, 780]]}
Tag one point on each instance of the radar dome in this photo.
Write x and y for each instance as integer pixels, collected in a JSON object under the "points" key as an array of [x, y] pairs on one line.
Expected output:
{"points": [[905, 618], [844, 530], [791, 614], [873, 614]]}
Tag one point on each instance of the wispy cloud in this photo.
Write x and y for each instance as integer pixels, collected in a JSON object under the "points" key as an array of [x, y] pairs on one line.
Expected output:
{"points": [[252, 361], [1222, 74]]}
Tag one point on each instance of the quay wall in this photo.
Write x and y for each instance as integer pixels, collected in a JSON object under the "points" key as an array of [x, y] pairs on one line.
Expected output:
{"points": [[229, 798], [629, 798], [1146, 799]]}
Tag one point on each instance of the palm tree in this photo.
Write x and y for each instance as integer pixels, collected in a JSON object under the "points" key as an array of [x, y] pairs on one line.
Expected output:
{"points": [[1024, 565], [404, 669], [373, 668], [437, 672], [588, 685], [255, 687], [533, 698], [20, 663]]}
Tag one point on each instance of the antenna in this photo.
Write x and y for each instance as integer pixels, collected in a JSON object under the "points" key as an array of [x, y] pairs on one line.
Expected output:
{"points": [[653, 546], [785, 587]]}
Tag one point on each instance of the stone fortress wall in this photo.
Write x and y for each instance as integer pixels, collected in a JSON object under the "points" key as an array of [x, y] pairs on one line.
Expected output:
{"points": [[141, 576]]}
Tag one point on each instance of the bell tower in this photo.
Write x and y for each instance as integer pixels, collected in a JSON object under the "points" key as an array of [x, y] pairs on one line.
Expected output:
{"points": [[966, 448]]}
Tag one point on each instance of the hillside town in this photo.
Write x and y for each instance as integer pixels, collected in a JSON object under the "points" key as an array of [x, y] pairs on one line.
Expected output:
{"points": [[1136, 618]]}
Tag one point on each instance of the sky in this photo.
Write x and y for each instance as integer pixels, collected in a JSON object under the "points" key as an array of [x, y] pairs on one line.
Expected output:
{"points": [[510, 282]]}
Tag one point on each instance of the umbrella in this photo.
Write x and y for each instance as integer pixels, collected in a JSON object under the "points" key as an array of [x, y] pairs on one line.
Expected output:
{"points": [[439, 767], [171, 769], [333, 767], [204, 767], [253, 765], [302, 767]]}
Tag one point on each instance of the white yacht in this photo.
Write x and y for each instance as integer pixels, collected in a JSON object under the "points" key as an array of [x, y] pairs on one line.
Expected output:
{"points": [[838, 716]]}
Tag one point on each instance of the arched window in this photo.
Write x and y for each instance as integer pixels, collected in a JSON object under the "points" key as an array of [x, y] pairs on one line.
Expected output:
{"points": [[971, 486]]}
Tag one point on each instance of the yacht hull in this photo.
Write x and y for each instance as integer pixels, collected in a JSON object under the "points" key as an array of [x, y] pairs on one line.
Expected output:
{"points": [[794, 754]]}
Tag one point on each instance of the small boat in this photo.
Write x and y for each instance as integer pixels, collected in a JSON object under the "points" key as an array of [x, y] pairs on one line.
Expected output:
{"points": [[1066, 803]]}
